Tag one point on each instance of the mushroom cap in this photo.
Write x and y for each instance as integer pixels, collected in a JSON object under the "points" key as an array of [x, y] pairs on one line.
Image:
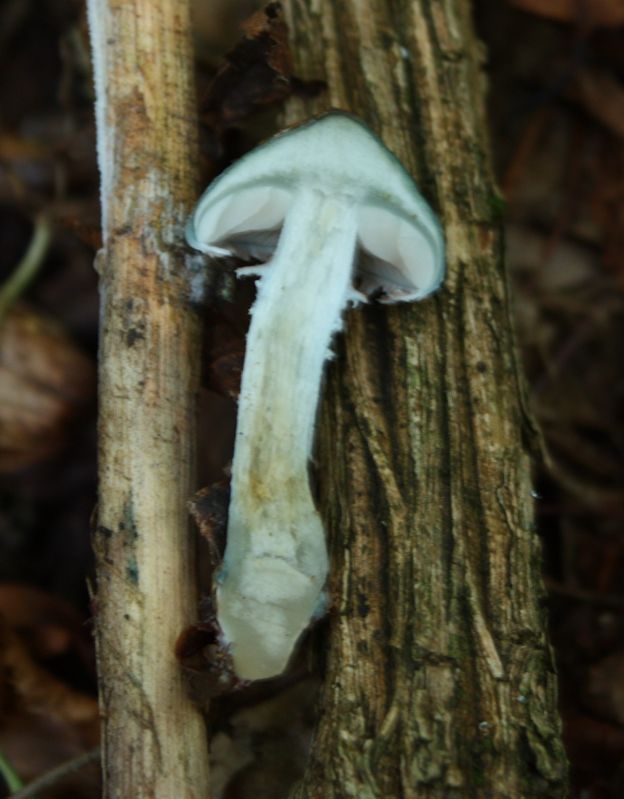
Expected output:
{"points": [[400, 244]]}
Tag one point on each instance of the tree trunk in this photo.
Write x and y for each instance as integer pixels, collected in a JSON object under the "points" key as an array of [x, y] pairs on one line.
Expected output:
{"points": [[153, 738], [439, 679]]}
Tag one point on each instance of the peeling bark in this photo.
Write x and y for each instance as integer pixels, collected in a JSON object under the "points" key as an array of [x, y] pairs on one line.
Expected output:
{"points": [[154, 742], [439, 679]]}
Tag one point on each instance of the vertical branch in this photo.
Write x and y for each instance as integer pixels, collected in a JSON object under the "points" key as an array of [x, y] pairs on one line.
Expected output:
{"points": [[154, 739], [439, 677]]}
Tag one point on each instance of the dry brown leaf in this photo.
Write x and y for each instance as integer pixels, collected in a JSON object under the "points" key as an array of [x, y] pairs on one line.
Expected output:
{"points": [[599, 13], [257, 71], [209, 509], [606, 688], [43, 721], [49, 625], [27, 686], [44, 379], [602, 96], [15, 148], [25, 606], [589, 740], [279, 731], [608, 207]]}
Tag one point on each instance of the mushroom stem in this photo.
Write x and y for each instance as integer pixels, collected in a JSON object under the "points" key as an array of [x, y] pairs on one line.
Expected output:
{"points": [[275, 563]]}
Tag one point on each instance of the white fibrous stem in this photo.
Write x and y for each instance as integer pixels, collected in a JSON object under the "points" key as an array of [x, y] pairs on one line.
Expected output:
{"points": [[276, 563]]}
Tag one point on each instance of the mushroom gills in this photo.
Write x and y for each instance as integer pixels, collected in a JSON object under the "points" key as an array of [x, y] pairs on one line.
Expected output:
{"points": [[386, 244], [245, 223]]}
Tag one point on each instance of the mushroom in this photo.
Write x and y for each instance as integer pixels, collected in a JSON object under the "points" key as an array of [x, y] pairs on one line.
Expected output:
{"points": [[336, 219]]}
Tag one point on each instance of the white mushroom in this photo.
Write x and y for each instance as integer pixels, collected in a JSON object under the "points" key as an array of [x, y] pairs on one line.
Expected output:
{"points": [[336, 218]]}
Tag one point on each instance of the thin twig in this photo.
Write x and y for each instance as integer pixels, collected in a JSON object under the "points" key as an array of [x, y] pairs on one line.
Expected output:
{"points": [[28, 266], [9, 775], [41, 784]]}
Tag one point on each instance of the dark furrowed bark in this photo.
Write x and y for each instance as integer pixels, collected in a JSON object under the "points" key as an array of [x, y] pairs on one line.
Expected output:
{"points": [[439, 679]]}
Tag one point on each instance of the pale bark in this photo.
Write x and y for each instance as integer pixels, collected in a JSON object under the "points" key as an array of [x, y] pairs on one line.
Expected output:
{"points": [[439, 679], [154, 741]]}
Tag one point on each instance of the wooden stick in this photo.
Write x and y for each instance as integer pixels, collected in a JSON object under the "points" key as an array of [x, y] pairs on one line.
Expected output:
{"points": [[154, 742]]}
